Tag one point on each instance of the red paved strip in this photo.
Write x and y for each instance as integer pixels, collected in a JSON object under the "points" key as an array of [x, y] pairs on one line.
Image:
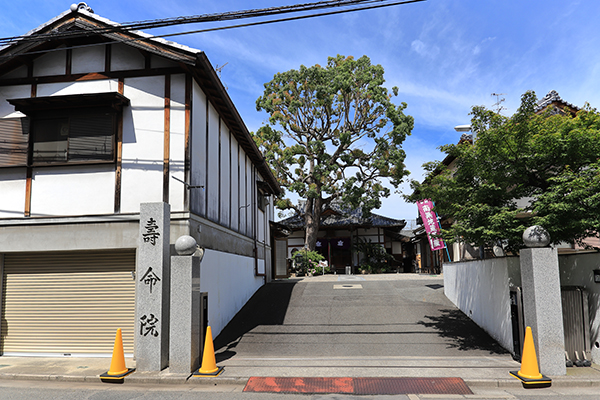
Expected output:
{"points": [[360, 386], [299, 385]]}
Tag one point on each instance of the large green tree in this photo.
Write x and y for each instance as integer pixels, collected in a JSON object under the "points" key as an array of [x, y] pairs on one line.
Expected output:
{"points": [[333, 133], [531, 168]]}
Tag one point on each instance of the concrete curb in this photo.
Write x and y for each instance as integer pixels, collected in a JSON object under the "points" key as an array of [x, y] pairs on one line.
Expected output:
{"points": [[132, 379], [179, 379], [514, 383]]}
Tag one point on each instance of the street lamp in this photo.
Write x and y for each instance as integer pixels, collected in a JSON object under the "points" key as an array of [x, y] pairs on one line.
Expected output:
{"points": [[465, 128], [462, 128]]}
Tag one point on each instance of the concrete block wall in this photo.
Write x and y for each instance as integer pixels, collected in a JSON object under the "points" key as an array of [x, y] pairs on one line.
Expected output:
{"points": [[480, 289]]}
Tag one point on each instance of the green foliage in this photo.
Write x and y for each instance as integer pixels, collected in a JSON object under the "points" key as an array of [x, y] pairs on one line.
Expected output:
{"points": [[305, 261], [374, 257], [576, 195], [318, 270], [333, 133], [549, 162]]}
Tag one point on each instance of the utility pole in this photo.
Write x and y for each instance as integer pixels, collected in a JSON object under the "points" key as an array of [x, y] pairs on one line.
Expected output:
{"points": [[498, 104]]}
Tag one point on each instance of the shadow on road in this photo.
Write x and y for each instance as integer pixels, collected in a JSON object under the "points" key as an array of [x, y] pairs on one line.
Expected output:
{"points": [[465, 334], [266, 307]]}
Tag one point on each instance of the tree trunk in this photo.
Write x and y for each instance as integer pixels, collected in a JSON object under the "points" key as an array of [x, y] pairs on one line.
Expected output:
{"points": [[312, 221]]}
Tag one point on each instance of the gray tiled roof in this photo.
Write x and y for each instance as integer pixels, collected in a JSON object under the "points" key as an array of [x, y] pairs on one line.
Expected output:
{"points": [[551, 97], [344, 217]]}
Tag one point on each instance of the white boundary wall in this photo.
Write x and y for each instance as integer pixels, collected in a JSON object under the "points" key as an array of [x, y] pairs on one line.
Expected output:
{"points": [[578, 270], [230, 282], [480, 289]]}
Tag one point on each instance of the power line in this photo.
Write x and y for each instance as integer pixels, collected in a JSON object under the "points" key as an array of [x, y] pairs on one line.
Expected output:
{"points": [[217, 17], [290, 18], [121, 28]]}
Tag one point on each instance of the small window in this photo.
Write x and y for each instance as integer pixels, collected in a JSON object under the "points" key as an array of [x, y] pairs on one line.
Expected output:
{"points": [[263, 194], [61, 130], [79, 137], [262, 200], [14, 141]]}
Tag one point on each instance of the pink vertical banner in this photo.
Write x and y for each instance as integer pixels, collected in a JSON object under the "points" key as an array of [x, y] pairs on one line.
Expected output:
{"points": [[430, 222]]}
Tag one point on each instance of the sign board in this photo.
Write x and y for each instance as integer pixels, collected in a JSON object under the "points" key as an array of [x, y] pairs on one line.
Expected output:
{"points": [[430, 222]]}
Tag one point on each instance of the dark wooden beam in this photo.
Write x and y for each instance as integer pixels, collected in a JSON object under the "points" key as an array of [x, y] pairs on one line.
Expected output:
{"points": [[167, 138], [119, 155], [187, 133], [91, 76]]}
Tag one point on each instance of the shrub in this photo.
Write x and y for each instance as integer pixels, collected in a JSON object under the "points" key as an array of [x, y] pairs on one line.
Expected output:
{"points": [[306, 261], [375, 258]]}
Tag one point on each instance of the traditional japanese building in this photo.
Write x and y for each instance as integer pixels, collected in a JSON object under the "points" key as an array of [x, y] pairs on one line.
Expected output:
{"points": [[95, 120], [341, 229]]}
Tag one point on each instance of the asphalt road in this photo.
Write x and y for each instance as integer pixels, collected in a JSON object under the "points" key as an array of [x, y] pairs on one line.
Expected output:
{"points": [[345, 320], [327, 326]]}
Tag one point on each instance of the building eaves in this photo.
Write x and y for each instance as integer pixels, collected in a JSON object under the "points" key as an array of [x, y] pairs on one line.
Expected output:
{"points": [[553, 98], [51, 24], [343, 218], [195, 62]]}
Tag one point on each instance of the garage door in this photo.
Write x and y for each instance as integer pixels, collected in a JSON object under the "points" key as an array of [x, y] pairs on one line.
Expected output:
{"points": [[67, 303]]}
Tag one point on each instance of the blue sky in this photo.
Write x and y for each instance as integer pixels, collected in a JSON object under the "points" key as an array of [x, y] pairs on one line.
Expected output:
{"points": [[444, 55]]}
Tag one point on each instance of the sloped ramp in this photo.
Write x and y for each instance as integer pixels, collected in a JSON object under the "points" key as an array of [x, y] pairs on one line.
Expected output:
{"points": [[358, 386]]}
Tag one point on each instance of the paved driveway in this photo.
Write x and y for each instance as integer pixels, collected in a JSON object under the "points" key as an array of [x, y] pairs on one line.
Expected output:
{"points": [[358, 322]]}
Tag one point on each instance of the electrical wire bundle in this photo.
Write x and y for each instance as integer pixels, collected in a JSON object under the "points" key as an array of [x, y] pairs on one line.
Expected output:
{"points": [[306, 8]]}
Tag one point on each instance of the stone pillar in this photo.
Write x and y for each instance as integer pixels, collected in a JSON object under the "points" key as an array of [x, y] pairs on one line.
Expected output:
{"points": [[184, 338], [152, 288], [542, 304]]}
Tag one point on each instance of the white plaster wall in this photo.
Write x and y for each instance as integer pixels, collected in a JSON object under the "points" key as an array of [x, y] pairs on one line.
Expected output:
{"points": [[235, 184], [85, 87], [123, 58], [52, 63], [225, 173], [341, 233], [161, 62], [261, 226], [368, 232], [20, 72], [12, 92], [249, 200], [578, 270], [87, 59], [177, 145], [198, 150], [244, 200], [212, 186], [230, 282], [12, 192], [270, 217], [143, 143], [480, 289], [61, 191], [370, 238]]}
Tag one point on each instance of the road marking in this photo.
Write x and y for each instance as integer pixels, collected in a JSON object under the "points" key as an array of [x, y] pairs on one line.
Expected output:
{"points": [[348, 286], [350, 278]]}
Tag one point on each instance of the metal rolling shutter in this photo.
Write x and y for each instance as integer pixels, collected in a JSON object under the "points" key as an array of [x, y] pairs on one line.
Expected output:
{"points": [[67, 302]]}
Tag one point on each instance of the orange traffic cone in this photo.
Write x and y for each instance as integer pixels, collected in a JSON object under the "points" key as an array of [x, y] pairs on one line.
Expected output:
{"points": [[529, 373], [117, 370], [209, 362]]}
